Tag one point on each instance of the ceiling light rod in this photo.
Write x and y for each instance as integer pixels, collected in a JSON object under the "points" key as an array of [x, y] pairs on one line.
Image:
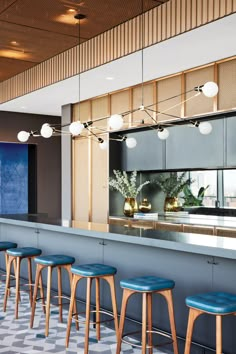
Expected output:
{"points": [[142, 47]]}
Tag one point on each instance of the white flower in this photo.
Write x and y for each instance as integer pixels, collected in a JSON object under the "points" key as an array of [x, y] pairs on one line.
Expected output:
{"points": [[125, 185]]}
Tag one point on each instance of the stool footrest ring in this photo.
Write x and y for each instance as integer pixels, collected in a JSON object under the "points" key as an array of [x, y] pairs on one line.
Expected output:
{"points": [[94, 322], [148, 346]]}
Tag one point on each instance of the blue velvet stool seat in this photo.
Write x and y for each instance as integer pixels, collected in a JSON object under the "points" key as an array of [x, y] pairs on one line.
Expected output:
{"points": [[16, 255], [147, 286], [92, 272], [218, 304], [50, 262]]}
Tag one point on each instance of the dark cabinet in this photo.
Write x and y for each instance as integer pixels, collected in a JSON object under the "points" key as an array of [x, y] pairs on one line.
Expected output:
{"points": [[187, 148], [147, 155], [230, 142]]}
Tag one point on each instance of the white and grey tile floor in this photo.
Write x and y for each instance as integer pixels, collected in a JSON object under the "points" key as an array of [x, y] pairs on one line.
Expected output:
{"points": [[17, 338]]}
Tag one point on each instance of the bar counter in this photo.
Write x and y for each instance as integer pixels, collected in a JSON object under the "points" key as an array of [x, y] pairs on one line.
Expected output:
{"points": [[133, 233], [196, 262]]}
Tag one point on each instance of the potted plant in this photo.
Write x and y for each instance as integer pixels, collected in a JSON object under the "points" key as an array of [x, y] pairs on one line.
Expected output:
{"points": [[192, 200], [172, 184], [127, 186]]}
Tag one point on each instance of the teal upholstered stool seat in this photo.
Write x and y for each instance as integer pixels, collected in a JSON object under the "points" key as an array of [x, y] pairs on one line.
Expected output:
{"points": [[93, 270], [24, 252], [54, 260], [90, 272], [49, 262], [16, 255], [147, 283], [147, 286], [218, 304], [4, 245], [215, 302]]}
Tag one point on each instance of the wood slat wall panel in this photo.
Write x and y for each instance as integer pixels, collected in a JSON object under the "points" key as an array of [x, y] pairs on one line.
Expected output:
{"points": [[199, 104], [137, 101], [216, 9], [178, 16], [173, 18], [227, 79], [160, 23], [167, 88], [183, 15]]}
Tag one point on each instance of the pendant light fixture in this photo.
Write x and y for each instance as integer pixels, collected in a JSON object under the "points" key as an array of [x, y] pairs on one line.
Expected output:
{"points": [[116, 121]]}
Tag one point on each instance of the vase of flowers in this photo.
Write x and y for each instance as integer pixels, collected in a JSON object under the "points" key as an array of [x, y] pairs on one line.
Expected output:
{"points": [[127, 186], [172, 184]]}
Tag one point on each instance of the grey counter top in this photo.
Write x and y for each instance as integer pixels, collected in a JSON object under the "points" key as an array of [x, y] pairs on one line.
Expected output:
{"points": [[186, 242]]}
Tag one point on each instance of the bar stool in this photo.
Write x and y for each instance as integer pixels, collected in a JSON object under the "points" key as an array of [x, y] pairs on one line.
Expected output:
{"points": [[218, 304], [5, 245], [50, 262], [91, 272], [147, 286], [17, 254]]}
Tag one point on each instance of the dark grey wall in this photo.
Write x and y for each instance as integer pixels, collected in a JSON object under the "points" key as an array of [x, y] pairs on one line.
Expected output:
{"points": [[48, 157]]}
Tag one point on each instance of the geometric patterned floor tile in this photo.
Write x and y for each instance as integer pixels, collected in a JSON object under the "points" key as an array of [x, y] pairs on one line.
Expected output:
{"points": [[17, 338]]}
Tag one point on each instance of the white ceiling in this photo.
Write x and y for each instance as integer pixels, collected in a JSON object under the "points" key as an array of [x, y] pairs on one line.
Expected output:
{"points": [[206, 44]]}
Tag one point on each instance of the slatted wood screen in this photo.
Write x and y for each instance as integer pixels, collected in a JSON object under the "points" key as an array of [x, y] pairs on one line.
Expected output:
{"points": [[160, 23]]}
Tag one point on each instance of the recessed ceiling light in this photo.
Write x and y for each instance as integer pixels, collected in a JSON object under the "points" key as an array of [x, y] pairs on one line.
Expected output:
{"points": [[23, 107], [71, 10], [109, 78], [14, 42]]}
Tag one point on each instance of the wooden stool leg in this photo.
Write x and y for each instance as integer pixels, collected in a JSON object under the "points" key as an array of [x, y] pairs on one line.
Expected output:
{"points": [[74, 282], [37, 276], [30, 280], [59, 293], [9, 260], [14, 267], [87, 320], [98, 331], [144, 323], [218, 334], [193, 315], [149, 310], [48, 300], [18, 261], [126, 294], [68, 268], [41, 290], [111, 282], [168, 296]]}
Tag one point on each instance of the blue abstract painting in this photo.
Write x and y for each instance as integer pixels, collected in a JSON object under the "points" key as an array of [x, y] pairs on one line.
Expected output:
{"points": [[13, 178]]}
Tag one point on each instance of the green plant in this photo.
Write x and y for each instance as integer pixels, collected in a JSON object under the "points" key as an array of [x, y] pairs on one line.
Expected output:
{"points": [[126, 185], [190, 199], [172, 184]]}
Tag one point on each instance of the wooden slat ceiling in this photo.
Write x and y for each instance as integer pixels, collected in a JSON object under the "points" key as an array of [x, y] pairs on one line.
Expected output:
{"points": [[32, 31]]}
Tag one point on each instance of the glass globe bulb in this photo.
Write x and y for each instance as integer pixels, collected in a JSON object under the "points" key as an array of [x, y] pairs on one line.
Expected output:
{"points": [[23, 136], [103, 145], [163, 135], [115, 121], [131, 143], [205, 128], [210, 89], [46, 131], [76, 128]]}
